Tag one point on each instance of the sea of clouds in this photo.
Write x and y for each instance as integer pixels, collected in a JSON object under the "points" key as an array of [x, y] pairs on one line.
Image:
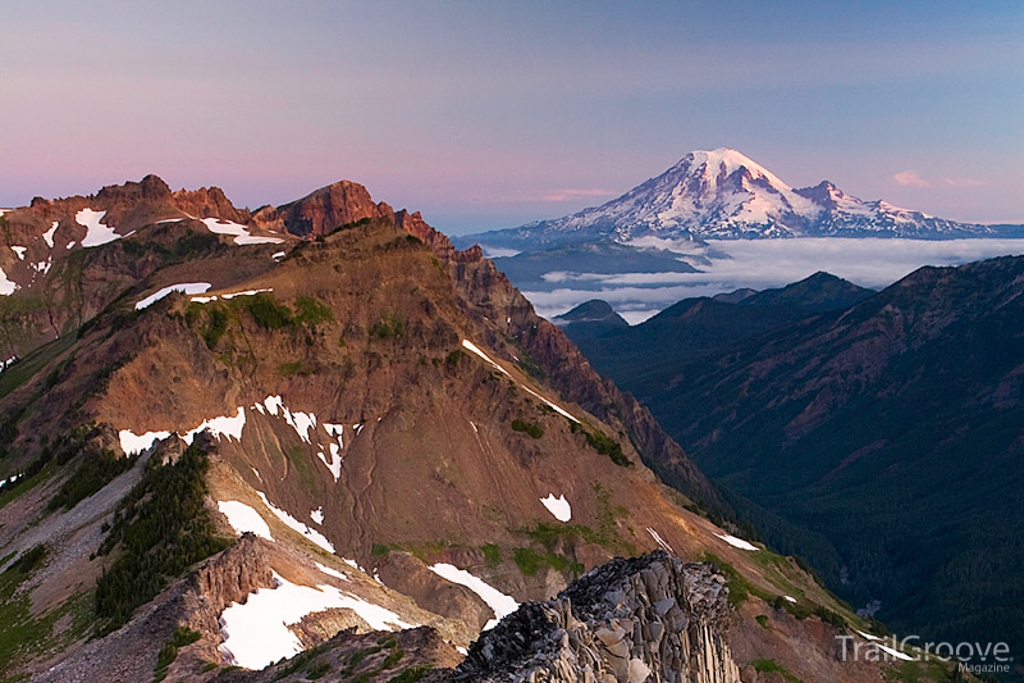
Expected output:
{"points": [[760, 264]]}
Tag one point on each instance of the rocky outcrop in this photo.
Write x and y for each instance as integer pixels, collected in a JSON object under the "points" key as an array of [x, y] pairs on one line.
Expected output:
{"points": [[209, 202], [651, 618], [323, 211], [227, 578]]}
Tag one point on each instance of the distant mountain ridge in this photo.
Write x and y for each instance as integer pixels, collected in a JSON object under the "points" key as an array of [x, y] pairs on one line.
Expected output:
{"points": [[722, 194], [893, 427], [645, 357]]}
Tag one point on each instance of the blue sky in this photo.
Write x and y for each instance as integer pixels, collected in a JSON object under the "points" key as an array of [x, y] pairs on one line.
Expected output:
{"points": [[490, 114]]}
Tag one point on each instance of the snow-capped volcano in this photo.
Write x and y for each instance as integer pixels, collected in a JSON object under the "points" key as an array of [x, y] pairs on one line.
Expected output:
{"points": [[722, 194]]}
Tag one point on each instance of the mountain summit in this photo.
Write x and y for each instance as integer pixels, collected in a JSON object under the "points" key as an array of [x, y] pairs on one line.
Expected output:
{"points": [[722, 194]]}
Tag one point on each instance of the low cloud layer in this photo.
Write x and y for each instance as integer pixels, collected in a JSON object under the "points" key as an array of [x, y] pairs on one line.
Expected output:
{"points": [[763, 264]]}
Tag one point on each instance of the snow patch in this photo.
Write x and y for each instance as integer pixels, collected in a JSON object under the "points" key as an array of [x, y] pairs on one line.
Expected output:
{"points": [[790, 598], [866, 636], [230, 295], [7, 287], [96, 232], [13, 478], [289, 521], [559, 507], [500, 603], [317, 515], [20, 251], [299, 421], [43, 266], [336, 460], [48, 235], [133, 444], [895, 653], [240, 232], [473, 348], [660, 541], [243, 518], [71, 244], [184, 287], [256, 632], [221, 426], [278, 255], [4, 364], [737, 542], [332, 572]]}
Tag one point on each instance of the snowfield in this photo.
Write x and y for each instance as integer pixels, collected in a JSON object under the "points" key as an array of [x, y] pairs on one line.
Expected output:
{"points": [[96, 232], [289, 521], [184, 287], [256, 633], [133, 444], [48, 235], [243, 518], [240, 232], [499, 603], [737, 542]]}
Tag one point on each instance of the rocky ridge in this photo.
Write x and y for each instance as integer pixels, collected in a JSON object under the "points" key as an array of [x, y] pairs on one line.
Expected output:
{"points": [[629, 621]]}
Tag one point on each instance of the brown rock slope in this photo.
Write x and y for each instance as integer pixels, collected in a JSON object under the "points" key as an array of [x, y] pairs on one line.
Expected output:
{"points": [[381, 405]]}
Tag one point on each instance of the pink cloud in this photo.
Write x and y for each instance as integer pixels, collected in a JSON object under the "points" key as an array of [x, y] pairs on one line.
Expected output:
{"points": [[911, 179]]}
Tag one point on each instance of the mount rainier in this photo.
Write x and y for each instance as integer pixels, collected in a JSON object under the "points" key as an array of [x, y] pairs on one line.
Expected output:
{"points": [[722, 194]]}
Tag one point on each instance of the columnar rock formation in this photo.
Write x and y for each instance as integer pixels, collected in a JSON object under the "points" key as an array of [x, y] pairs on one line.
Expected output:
{"points": [[651, 618]]}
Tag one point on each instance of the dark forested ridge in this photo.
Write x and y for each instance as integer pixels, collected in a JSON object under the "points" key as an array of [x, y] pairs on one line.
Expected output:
{"points": [[894, 429]]}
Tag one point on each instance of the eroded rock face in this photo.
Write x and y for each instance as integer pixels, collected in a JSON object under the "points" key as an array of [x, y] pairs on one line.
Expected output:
{"points": [[323, 211], [651, 618]]}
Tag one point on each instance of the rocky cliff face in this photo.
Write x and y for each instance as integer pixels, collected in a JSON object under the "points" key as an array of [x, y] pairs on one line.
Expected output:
{"points": [[323, 211], [649, 618]]}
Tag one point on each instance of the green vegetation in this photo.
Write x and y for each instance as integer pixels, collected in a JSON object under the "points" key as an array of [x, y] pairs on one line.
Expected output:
{"points": [[162, 527], [353, 224], [95, 471], [492, 553], [215, 327], [309, 311], [771, 666], [393, 658], [26, 368], [603, 444], [762, 619], [530, 561], [266, 311], [531, 428], [318, 670], [24, 635], [390, 326]]}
